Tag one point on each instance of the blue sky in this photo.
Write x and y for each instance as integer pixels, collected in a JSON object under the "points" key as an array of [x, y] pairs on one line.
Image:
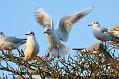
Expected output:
{"points": [[18, 17]]}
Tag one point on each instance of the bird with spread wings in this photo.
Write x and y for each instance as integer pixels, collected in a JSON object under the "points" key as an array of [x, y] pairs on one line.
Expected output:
{"points": [[58, 37]]}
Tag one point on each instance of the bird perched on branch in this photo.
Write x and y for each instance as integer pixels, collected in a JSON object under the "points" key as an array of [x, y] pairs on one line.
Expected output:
{"points": [[9, 42], [106, 35], [56, 38], [95, 49], [31, 48]]}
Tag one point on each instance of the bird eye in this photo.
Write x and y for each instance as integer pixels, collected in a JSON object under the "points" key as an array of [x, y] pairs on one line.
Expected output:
{"points": [[95, 23], [33, 33], [48, 30], [1, 33]]}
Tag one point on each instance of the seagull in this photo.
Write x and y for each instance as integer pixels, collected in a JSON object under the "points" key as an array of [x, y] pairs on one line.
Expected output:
{"points": [[57, 48], [105, 35], [95, 48], [31, 47], [10, 42], [100, 33], [58, 37]]}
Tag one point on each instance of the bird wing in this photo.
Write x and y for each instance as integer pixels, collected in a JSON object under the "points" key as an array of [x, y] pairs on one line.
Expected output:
{"points": [[44, 19], [66, 23], [104, 29], [14, 39]]}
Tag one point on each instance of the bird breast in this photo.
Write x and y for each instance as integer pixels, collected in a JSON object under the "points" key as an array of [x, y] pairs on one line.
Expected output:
{"points": [[30, 42], [52, 41], [32, 47]]}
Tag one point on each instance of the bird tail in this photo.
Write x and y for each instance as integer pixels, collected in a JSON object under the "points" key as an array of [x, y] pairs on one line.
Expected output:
{"points": [[78, 49], [53, 53]]}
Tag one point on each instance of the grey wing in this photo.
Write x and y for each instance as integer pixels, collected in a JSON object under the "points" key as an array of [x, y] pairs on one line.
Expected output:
{"points": [[65, 24], [14, 40], [44, 19], [104, 30]]}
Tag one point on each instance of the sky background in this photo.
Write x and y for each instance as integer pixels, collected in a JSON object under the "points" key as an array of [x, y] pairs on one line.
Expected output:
{"points": [[17, 17]]}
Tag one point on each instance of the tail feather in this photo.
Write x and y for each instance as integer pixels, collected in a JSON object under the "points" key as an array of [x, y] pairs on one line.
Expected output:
{"points": [[53, 53]]}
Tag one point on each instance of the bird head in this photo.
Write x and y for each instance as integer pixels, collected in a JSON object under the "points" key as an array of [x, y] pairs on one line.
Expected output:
{"points": [[30, 33], [48, 31], [1, 33], [94, 24]]}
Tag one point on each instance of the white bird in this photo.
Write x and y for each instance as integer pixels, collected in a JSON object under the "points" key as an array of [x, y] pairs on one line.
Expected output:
{"points": [[9, 42], [60, 35], [31, 48], [100, 33], [57, 48], [103, 34]]}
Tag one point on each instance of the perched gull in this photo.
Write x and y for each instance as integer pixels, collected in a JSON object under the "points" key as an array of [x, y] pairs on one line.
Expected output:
{"points": [[9, 42], [106, 35], [31, 48], [56, 38], [95, 48], [100, 32]]}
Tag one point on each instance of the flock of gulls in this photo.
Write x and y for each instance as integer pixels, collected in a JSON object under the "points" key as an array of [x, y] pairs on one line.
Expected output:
{"points": [[58, 37]]}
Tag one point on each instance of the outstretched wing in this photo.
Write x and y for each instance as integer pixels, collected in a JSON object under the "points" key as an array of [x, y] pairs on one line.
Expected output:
{"points": [[44, 19], [66, 23]]}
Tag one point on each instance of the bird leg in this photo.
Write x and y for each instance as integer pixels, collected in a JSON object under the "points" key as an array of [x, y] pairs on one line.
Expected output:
{"points": [[105, 44], [2, 51], [58, 53], [49, 52], [9, 50], [26, 59], [18, 50]]}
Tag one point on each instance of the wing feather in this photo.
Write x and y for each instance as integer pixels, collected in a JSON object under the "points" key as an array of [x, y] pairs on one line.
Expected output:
{"points": [[44, 19], [66, 23]]}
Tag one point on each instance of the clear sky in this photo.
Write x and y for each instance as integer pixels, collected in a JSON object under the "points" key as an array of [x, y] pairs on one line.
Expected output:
{"points": [[17, 17]]}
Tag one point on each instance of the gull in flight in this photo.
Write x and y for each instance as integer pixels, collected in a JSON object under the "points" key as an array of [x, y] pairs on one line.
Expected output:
{"points": [[106, 35], [9, 42], [56, 38], [31, 48]]}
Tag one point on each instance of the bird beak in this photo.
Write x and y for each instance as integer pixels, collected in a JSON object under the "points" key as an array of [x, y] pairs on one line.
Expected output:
{"points": [[26, 34], [45, 32], [89, 25]]}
